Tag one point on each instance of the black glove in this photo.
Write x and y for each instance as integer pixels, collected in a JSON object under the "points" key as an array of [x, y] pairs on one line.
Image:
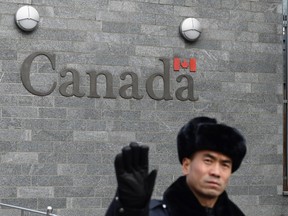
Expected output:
{"points": [[135, 184]]}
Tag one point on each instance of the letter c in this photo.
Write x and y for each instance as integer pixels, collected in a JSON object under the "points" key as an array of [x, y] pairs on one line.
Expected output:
{"points": [[25, 72]]}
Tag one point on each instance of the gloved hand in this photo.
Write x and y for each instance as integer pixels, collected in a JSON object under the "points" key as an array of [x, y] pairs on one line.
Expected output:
{"points": [[135, 184]]}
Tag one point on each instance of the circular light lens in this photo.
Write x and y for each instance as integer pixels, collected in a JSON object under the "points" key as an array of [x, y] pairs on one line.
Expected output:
{"points": [[27, 18], [190, 29]]}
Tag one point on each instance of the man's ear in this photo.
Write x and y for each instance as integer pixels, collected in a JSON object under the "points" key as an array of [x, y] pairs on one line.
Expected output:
{"points": [[186, 166]]}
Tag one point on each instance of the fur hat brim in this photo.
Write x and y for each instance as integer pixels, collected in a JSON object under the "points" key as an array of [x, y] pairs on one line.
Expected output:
{"points": [[204, 133]]}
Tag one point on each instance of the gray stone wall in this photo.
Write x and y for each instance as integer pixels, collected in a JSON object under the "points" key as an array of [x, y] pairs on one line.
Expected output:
{"points": [[59, 151]]}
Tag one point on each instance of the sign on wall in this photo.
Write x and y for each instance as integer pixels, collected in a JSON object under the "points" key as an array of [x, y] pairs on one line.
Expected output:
{"points": [[127, 91]]}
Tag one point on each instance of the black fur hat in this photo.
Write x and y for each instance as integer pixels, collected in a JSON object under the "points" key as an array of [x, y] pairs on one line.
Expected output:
{"points": [[204, 133]]}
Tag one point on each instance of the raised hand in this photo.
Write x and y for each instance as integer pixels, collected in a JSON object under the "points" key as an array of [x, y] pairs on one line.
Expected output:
{"points": [[135, 183]]}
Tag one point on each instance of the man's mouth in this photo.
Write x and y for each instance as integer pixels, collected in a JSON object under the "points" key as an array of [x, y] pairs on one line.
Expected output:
{"points": [[215, 183]]}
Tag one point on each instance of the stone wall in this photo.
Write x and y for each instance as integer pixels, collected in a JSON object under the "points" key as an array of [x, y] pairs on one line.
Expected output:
{"points": [[59, 151]]}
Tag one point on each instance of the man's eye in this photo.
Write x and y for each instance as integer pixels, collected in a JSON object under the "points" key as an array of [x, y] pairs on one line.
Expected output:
{"points": [[208, 161], [227, 165]]}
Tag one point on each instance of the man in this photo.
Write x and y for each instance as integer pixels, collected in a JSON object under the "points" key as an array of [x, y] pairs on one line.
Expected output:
{"points": [[209, 153]]}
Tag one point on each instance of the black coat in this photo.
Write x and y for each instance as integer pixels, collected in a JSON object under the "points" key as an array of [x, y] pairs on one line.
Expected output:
{"points": [[178, 200]]}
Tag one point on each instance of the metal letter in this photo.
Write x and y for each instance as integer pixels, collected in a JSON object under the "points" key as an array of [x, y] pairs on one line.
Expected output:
{"points": [[166, 82], [75, 83], [25, 72], [93, 84], [189, 88], [133, 85]]}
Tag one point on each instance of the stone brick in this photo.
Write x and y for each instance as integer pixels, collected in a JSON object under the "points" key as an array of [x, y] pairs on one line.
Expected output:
{"points": [[248, 37], [19, 157], [52, 135], [10, 192], [237, 87], [55, 157], [74, 192], [46, 124], [104, 169], [90, 136], [52, 181], [127, 28], [16, 180], [22, 112], [153, 51], [10, 169], [32, 192], [39, 169], [60, 151], [77, 158], [69, 169], [55, 203], [261, 28], [81, 181], [6, 146], [84, 203], [262, 190], [120, 17], [8, 55], [27, 202], [83, 114], [264, 88], [121, 137], [52, 113]]}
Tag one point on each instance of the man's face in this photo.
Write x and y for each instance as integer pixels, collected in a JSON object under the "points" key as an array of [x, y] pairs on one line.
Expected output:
{"points": [[207, 173]]}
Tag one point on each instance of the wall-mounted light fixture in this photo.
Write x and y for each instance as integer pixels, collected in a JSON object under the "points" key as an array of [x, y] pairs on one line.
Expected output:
{"points": [[190, 29], [27, 18]]}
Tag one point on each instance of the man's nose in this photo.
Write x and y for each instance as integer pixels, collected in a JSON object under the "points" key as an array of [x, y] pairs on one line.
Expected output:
{"points": [[215, 170]]}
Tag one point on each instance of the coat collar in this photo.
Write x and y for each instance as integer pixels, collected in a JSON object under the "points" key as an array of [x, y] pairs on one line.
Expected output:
{"points": [[181, 201]]}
